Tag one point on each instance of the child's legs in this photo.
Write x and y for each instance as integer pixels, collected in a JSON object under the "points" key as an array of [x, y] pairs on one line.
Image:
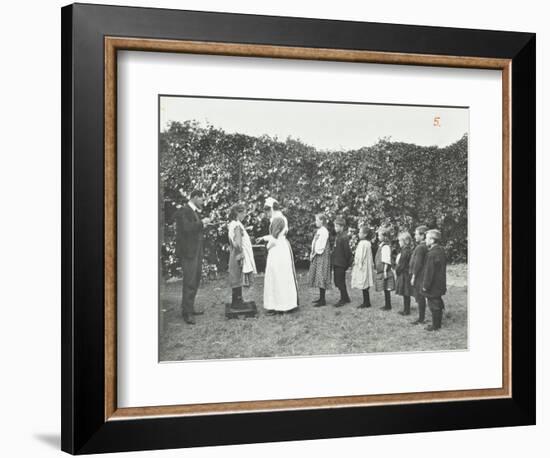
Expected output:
{"points": [[366, 296], [339, 277], [387, 298], [340, 281], [436, 308], [421, 301], [407, 304], [344, 292], [237, 294]]}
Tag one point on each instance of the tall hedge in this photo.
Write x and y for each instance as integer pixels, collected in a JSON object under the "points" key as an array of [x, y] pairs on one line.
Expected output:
{"points": [[399, 184]]}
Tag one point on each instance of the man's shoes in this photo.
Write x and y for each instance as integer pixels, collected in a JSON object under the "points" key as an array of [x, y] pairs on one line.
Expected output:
{"points": [[189, 319], [198, 312], [363, 306], [340, 303], [271, 312], [403, 313], [385, 308], [319, 303], [316, 301], [431, 328], [417, 322]]}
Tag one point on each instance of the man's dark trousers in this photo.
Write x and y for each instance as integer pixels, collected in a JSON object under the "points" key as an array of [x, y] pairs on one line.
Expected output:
{"points": [[191, 269]]}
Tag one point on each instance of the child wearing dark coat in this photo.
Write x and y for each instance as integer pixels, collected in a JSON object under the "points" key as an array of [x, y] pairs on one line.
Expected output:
{"points": [[416, 270], [403, 283], [434, 283], [341, 260]]}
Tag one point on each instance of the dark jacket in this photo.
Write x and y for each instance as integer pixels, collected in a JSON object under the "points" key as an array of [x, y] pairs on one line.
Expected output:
{"points": [[341, 255], [189, 229], [416, 265], [434, 283], [402, 266], [403, 282]]}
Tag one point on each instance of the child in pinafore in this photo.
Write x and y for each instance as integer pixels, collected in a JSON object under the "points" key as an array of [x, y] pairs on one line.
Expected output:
{"points": [[403, 282], [341, 260], [241, 257], [385, 280], [362, 275], [319, 269]]}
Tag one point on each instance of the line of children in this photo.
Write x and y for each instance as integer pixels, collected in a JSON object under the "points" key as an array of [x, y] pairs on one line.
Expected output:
{"points": [[419, 272]]}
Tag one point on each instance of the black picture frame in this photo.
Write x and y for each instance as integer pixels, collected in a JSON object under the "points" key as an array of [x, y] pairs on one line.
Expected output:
{"points": [[84, 428]]}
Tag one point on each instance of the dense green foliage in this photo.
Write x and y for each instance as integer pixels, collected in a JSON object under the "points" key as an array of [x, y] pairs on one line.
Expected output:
{"points": [[399, 184]]}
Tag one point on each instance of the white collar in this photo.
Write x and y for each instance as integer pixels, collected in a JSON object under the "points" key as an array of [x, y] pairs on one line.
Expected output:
{"points": [[193, 207]]}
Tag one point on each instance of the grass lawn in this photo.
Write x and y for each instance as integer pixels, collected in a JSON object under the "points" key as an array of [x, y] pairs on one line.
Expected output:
{"points": [[309, 331]]}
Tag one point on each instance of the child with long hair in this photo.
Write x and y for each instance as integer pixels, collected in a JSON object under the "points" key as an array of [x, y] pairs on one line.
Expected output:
{"points": [[241, 258], [319, 257], [362, 274], [385, 280], [403, 282]]}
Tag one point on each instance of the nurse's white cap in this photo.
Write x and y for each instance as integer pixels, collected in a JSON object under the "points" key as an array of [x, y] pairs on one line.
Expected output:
{"points": [[270, 201]]}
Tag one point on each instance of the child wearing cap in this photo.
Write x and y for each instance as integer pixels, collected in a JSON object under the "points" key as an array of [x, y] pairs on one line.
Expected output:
{"points": [[434, 283], [341, 260]]}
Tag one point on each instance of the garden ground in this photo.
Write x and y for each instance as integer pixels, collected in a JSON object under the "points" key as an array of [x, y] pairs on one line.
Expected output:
{"points": [[308, 331]]}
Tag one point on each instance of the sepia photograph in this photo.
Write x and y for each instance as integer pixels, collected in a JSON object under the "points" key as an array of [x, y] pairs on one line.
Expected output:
{"points": [[295, 228]]}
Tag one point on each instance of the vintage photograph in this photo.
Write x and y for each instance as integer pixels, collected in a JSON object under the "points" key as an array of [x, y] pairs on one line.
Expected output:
{"points": [[295, 228]]}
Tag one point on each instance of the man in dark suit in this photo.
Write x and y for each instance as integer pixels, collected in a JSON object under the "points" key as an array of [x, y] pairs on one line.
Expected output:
{"points": [[434, 283], [189, 249]]}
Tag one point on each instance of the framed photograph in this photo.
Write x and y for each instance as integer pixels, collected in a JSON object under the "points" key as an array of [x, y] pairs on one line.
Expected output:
{"points": [[284, 228]]}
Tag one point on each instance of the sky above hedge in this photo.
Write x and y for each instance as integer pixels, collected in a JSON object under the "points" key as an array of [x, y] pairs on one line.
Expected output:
{"points": [[325, 126]]}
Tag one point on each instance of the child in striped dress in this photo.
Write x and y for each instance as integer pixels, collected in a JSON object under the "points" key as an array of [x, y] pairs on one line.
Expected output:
{"points": [[385, 280], [241, 257], [319, 268]]}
